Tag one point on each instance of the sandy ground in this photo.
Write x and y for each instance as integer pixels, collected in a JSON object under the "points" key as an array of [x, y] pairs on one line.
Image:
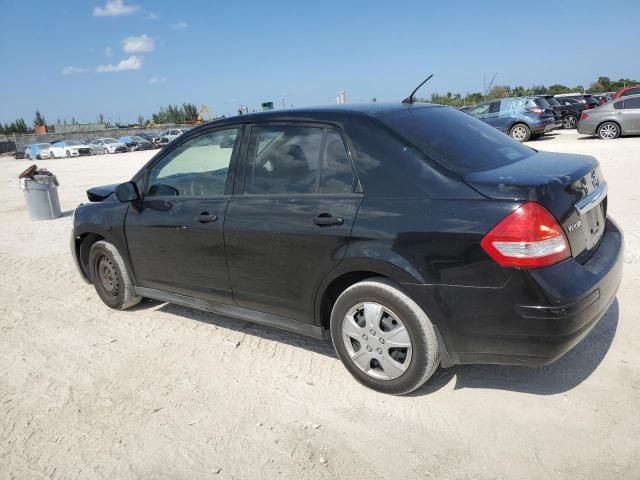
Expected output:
{"points": [[162, 391]]}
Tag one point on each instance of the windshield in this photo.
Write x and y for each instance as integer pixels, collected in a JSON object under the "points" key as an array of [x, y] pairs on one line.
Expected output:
{"points": [[135, 138], [541, 102], [43, 146], [72, 143], [110, 140], [456, 140]]}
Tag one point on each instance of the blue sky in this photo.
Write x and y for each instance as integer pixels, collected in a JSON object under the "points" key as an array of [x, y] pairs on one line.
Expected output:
{"points": [[124, 58]]}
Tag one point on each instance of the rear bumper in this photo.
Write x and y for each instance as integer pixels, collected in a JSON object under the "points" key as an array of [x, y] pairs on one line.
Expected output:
{"points": [[536, 317], [586, 128]]}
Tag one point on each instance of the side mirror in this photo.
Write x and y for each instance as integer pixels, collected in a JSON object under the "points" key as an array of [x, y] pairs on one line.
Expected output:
{"points": [[127, 192]]}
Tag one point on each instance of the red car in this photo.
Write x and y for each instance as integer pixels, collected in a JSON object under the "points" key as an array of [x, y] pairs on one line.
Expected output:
{"points": [[624, 91]]}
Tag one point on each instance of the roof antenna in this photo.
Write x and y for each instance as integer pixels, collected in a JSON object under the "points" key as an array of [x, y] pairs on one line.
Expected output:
{"points": [[409, 99]]}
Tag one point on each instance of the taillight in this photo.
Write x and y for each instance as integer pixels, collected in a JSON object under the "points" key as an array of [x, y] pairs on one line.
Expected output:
{"points": [[583, 116], [536, 110], [529, 237]]}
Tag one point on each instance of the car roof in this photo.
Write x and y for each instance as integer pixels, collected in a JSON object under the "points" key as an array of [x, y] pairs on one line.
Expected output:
{"points": [[626, 97], [373, 109]]}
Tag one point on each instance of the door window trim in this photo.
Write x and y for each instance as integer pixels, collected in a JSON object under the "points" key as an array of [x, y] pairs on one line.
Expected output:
{"points": [[243, 158], [177, 144]]}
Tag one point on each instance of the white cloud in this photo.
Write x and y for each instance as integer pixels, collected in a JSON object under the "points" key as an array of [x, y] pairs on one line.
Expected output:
{"points": [[153, 16], [180, 25], [140, 44], [108, 52], [71, 70], [153, 80], [114, 8], [132, 63]]}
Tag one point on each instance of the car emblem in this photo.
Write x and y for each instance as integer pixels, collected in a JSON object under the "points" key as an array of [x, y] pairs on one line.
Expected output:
{"points": [[594, 180]]}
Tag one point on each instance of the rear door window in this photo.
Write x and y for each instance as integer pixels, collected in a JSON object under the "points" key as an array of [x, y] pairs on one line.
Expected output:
{"points": [[495, 107], [632, 103], [336, 174], [283, 160]]}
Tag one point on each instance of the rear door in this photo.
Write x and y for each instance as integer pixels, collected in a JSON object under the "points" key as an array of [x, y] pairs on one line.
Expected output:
{"points": [[630, 115], [289, 220], [175, 237]]}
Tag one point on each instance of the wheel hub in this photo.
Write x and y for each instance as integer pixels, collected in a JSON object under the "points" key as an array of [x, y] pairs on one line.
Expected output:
{"points": [[108, 275], [377, 341]]}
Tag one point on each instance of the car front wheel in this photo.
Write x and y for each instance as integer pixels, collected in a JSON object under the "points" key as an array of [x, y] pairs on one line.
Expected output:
{"points": [[105, 151], [520, 132], [608, 131], [110, 276], [383, 338]]}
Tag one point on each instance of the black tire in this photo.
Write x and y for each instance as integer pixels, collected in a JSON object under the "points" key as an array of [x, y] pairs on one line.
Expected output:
{"points": [[520, 132], [425, 356], [68, 153], [608, 131], [110, 277], [51, 155], [569, 122], [105, 151]]}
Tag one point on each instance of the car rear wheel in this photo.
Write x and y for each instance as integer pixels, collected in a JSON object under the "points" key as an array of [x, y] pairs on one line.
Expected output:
{"points": [[608, 131], [569, 122], [520, 132], [110, 277], [383, 338]]}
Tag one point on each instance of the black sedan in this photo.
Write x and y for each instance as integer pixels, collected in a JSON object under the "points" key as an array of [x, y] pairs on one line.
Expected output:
{"points": [[136, 142], [411, 235]]}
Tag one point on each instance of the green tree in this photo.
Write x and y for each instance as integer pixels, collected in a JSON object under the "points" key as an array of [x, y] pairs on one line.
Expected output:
{"points": [[39, 120]]}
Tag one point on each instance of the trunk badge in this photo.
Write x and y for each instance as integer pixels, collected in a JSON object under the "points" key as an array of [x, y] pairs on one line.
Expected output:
{"points": [[575, 226], [594, 180]]}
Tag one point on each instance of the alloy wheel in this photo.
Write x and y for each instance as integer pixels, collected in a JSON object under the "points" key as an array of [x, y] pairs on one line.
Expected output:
{"points": [[377, 341], [519, 133], [569, 122], [608, 131]]}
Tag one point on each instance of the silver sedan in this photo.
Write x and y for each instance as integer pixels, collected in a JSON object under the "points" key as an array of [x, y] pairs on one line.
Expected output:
{"points": [[615, 118]]}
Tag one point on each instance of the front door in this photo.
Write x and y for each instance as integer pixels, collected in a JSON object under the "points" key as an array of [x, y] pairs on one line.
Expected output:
{"points": [[176, 239], [289, 221]]}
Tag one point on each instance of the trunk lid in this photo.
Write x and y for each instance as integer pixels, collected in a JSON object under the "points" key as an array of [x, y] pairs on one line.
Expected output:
{"points": [[570, 186]]}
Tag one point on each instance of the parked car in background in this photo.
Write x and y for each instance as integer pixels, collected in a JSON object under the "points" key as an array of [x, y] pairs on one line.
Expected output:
{"points": [[151, 138], [518, 117], [542, 102], [70, 148], [107, 145], [626, 91], [574, 108], [161, 140], [276, 218], [136, 142], [613, 119], [174, 133], [588, 100], [567, 118], [37, 151]]}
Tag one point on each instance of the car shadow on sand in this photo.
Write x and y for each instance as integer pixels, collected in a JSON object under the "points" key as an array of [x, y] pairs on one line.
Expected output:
{"points": [[560, 376]]}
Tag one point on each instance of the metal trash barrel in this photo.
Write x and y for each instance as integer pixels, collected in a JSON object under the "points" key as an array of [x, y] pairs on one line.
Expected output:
{"points": [[41, 195]]}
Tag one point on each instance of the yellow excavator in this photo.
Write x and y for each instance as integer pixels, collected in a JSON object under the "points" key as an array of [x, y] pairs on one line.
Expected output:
{"points": [[200, 115]]}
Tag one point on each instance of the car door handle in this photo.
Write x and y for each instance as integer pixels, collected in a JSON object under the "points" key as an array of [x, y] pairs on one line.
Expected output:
{"points": [[326, 219], [206, 217]]}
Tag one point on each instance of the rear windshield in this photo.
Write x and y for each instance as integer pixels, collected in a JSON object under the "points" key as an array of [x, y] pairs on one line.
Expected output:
{"points": [[541, 102], [456, 140], [552, 101]]}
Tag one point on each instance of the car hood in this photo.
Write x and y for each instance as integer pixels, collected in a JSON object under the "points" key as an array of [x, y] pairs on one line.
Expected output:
{"points": [[98, 194]]}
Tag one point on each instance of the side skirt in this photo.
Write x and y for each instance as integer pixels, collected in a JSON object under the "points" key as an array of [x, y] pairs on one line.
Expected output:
{"points": [[240, 313]]}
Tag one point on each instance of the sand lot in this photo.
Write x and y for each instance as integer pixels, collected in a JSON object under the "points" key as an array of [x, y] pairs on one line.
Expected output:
{"points": [[166, 392]]}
